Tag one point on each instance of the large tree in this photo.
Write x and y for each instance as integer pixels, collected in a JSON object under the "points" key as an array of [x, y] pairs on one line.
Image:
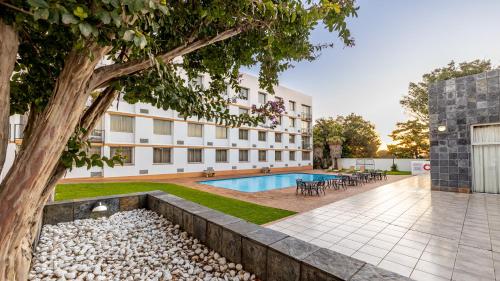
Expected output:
{"points": [[54, 54], [411, 140], [360, 138], [416, 102], [327, 136]]}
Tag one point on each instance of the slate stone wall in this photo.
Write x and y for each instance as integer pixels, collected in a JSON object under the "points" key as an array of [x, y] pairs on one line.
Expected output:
{"points": [[269, 254], [458, 104]]}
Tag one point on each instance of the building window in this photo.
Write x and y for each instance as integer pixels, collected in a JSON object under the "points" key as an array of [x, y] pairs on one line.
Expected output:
{"points": [[122, 123], [277, 155], [94, 150], [195, 130], [292, 155], [243, 94], [306, 155], [243, 134], [306, 142], [195, 155], [243, 155], [242, 111], [197, 82], [291, 139], [262, 136], [262, 97], [292, 122], [162, 155], [306, 110], [126, 152], [279, 121], [220, 132], [277, 137], [162, 127], [262, 156], [278, 99], [291, 105], [221, 155]]}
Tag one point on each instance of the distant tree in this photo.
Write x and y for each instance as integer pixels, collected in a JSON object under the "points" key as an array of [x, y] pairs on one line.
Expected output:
{"points": [[54, 54], [384, 153], [411, 140], [417, 99], [327, 134], [360, 138]]}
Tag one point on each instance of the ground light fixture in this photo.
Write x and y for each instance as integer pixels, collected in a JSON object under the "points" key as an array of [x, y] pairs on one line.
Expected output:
{"points": [[99, 208], [442, 128]]}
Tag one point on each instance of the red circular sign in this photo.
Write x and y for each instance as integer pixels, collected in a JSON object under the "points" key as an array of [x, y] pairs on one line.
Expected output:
{"points": [[427, 167]]}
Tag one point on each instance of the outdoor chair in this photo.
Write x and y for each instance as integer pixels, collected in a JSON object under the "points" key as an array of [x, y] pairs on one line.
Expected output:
{"points": [[300, 186], [209, 172], [266, 170]]}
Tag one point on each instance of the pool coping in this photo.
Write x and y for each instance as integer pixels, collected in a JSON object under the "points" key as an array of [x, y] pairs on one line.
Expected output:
{"points": [[270, 254]]}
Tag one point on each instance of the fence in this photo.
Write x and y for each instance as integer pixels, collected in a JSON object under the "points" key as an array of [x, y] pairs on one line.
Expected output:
{"points": [[379, 163]]}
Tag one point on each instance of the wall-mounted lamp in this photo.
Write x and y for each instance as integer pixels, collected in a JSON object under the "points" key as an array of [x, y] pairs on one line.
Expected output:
{"points": [[442, 128], [100, 208]]}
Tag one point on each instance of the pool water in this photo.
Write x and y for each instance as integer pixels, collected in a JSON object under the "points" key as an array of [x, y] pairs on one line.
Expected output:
{"points": [[264, 183]]}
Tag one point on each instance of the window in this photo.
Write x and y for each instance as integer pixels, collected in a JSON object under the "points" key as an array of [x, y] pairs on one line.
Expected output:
{"points": [[195, 130], [306, 155], [262, 97], [122, 123], [279, 120], [126, 152], [195, 155], [162, 127], [197, 82], [243, 134], [306, 143], [292, 122], [306, 110], [292, 139], [262, 156], [243, 94], [291, 105], [242, 110], [220, 132], [94, 150], [277, 137], [292, 155], [220, 155], [277, 155], [162, 155], [243, 155], [262, 136], [278, 99]]}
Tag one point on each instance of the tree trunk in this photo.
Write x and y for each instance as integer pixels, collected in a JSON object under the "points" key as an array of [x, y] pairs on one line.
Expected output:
{"points": [[9, 43], [23, 193]]}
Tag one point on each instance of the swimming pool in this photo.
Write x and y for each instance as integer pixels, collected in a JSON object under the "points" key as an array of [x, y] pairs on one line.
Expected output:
{"points": [[264, 183]]}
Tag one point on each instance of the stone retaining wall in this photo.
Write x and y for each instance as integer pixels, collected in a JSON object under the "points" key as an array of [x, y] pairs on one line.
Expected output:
{"points": [[271, 255]]}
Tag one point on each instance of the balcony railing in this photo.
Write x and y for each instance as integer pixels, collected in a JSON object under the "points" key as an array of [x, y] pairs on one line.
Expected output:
{"points": [[306, 146], [306, 131], [96, 136], [306, 116]]}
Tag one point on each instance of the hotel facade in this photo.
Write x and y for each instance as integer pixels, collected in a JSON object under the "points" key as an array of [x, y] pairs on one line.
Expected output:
{"points": [[160, 144]]}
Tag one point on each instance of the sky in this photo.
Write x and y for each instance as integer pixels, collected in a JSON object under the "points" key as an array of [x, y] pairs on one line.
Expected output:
{"points": [[396, 42]]}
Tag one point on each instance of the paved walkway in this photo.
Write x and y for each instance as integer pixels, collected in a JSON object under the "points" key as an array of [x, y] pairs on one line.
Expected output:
{"points": [[409, 229]]}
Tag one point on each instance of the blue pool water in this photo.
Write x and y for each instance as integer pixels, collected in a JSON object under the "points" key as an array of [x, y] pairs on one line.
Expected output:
{"points": [[263, 183]]}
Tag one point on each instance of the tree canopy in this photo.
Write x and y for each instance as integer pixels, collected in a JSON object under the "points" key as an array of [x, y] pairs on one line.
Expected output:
{"points": [[411, 140], [356, 135]]}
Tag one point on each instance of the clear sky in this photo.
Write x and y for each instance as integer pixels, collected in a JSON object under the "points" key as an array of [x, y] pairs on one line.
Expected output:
{"points": [[396, 42]]}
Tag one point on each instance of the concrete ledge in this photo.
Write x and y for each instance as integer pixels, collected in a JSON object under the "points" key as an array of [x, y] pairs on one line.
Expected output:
{"points": [[269, 254]]}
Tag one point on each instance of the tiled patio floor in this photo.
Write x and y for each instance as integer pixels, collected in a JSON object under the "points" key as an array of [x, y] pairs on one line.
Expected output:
{"points": [[409, 229]]}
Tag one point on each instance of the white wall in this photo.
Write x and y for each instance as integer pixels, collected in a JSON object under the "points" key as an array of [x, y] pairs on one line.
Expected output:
{"points": [[382, 164]]}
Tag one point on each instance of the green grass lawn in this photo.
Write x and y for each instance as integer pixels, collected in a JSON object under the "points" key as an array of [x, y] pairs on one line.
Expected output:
{"points": [[248, 211], [399, 173]]}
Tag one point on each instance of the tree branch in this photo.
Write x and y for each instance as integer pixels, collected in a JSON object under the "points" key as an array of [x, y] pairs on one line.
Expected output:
{"points": [[103, 75]]}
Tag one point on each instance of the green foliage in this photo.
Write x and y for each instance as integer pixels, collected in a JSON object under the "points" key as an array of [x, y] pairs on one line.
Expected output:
{"points": [[76, 154], [417, 100], [361, 139], [356, 135], [411, 140], [248, 211], [394, 168], [399, 173], [270, 34]]}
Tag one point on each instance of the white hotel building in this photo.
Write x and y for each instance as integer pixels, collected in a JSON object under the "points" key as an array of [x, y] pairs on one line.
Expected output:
{"points": [[160, 144]]}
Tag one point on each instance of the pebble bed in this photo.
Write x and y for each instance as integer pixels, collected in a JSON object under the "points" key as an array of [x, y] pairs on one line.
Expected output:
{"points": [[133, 245]]}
